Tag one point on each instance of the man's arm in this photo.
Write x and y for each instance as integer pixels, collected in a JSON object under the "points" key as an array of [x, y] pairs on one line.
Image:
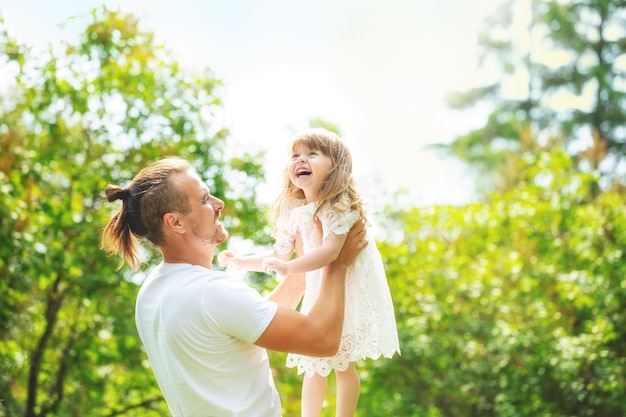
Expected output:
{"points": [[319, 332], [289, 292]]}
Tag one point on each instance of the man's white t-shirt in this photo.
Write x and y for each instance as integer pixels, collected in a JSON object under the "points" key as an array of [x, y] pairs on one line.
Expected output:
{"points": [[198, 327]]}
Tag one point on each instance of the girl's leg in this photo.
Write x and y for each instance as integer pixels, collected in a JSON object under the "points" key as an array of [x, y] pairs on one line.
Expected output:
{"points": [[348, 390], [313, 394]]}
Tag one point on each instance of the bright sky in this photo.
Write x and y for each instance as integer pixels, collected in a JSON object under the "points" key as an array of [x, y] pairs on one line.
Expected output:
{"points": [[379, 69]]}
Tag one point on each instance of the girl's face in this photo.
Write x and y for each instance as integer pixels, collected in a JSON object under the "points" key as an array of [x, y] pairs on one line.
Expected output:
{"points": [[308, 169]]}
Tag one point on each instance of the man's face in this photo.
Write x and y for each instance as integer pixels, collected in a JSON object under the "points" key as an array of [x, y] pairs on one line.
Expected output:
{"points": [[205, 210]]}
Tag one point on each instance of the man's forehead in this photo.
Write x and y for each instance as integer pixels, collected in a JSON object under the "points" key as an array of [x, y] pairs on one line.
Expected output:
{"points": [[190, 178]]}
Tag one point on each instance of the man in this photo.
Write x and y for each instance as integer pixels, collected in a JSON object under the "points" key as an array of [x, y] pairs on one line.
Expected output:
{"points": [[205, 332]]}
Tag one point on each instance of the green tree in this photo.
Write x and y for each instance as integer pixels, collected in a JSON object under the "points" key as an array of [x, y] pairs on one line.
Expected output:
{"points": [[514, 307], [76, 118], [567, 52]]}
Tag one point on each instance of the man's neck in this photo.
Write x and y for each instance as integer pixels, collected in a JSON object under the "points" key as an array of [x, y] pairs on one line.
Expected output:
{"points": [[188, 256]]}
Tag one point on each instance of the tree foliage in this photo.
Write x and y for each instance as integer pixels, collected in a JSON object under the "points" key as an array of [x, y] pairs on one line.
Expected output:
{"points": [[514, 307], [75, 119], [562, 69]]}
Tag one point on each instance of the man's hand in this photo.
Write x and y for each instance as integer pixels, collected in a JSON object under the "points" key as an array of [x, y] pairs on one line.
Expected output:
{"points": [[355, 242]]}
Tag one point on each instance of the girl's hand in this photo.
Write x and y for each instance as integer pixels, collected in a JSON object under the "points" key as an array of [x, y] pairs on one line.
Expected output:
{"points": [[225, 258], [271, 264]]}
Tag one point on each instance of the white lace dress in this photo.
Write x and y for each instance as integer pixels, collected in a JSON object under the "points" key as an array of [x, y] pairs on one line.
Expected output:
{"points": [[369, 328]]}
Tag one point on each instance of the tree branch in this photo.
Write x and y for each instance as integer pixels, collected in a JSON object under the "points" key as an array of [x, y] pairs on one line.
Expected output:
{"points": [[55, 300], [144, 404]]}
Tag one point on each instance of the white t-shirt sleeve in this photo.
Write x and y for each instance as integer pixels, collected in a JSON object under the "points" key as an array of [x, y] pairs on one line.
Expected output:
{"points": [[238, 310]]}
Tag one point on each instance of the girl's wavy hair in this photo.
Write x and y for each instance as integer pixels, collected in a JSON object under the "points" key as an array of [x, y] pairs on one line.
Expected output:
{"points": [[338, 190]]}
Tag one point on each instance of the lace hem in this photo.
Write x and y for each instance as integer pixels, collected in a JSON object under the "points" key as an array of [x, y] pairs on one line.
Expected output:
{"points": [[351, 349]]}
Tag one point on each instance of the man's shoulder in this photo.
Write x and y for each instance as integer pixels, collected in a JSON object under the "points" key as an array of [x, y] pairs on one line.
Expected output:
{"points": [[170, 277], [186, 270]]}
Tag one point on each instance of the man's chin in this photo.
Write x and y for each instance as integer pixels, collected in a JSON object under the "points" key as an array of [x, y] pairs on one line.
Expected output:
{"points": [[218, 237], [222, 237]]}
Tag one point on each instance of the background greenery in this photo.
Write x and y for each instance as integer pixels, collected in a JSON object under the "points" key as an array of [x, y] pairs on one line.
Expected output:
{"points": [[510, 306]]}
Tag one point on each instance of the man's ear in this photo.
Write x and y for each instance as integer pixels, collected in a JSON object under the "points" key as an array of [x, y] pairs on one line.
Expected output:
{"points": [[174, 222]]}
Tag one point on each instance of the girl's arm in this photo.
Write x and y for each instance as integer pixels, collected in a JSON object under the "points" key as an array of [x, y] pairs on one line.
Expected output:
{"points": [[229, 259], [319, 257]]}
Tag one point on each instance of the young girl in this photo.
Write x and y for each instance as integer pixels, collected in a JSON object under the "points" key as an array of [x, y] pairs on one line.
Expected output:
{"points": [[318, 186]]}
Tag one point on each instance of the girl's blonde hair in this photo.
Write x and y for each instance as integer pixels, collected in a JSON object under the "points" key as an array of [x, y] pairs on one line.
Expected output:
{"points": [[338, 190]]}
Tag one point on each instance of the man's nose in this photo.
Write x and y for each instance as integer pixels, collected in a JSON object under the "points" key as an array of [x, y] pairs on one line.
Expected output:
{"points": [[218, 204]]}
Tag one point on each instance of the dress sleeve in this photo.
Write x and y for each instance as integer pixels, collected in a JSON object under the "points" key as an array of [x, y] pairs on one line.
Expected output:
{"points": [[339, 223], [285, 235]]}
